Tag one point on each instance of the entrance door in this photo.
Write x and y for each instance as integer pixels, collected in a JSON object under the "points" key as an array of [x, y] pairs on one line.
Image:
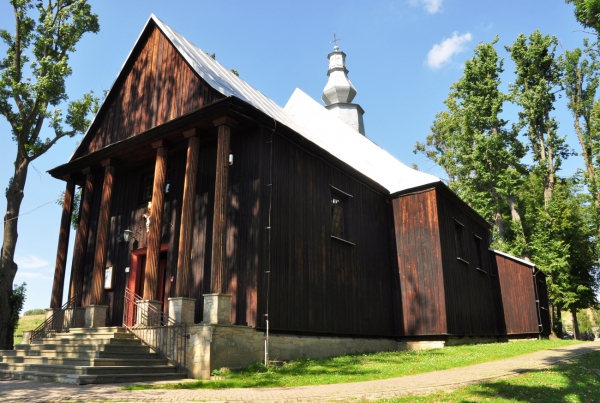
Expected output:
{"points": [[137, 272]]}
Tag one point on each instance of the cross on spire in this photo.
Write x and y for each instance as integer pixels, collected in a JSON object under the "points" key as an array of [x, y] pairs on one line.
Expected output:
{"points": [[335, 40]]}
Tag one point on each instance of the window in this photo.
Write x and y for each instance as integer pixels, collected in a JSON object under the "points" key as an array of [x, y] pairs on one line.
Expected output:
{"points": [[479, 266], [459, 241], [340, 203], [147, 185]]}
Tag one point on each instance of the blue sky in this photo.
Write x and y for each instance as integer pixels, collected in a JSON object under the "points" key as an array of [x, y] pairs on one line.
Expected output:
{"points": [[402, 56]]}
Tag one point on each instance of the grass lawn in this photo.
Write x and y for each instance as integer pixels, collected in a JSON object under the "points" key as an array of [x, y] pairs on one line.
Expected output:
{"points": [[27, 323], [364, 367], [578, 381]]}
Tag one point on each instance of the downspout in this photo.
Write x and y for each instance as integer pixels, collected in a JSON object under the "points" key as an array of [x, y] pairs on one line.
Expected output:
{"points": [[537, 302], [268, 228]]}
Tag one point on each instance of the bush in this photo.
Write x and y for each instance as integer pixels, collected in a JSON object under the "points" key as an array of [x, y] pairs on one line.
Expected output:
{"points": [[31, 312]]}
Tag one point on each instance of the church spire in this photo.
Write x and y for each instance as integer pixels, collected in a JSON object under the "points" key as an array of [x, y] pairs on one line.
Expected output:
{"points": [[339, 91]]}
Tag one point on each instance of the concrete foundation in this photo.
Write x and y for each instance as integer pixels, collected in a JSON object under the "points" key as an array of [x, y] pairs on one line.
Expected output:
{"points": [[95, 315], [217, 309], [182, 309], [148, 313]]}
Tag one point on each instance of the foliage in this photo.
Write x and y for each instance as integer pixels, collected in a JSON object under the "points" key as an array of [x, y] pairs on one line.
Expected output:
{"points": [[17, 299], [38, 311], [587, 12], [576, 381], [76, 205], [32, 90], [29, 322], [363, 367]]}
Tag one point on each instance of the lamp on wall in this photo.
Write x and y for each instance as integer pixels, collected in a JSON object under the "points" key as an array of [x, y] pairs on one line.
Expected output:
{"points": [[126, 236]]}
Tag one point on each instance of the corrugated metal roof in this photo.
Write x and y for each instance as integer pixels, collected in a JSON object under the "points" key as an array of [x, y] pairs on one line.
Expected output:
{"points": [[303, 115]]}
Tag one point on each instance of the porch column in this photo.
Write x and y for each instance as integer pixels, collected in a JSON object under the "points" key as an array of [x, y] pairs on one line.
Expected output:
{"points": [[63, 246], [81, 237], [154, 235], [184, 255], [219, 232], [102, 233]]}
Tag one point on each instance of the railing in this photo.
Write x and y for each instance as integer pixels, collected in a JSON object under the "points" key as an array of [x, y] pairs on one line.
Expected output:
{"points": [[156, 329], [60, 321]]}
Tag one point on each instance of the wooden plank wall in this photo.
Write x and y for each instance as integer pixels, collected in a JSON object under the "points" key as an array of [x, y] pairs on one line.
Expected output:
{"points": [[468, 291], [320, 284], [517, 284], [418, 252], [156, 86]]}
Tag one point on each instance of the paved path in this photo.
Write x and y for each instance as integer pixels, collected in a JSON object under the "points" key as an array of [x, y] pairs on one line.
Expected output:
{"points": [[30, 392]]}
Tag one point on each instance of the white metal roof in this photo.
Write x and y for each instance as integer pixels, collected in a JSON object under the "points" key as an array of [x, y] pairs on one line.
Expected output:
{"points": [[525, 262], [305, 116]]}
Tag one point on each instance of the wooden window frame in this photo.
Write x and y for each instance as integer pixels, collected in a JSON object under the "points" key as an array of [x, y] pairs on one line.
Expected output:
{"points": [[459, 241], [479, 266], [339, 205]]}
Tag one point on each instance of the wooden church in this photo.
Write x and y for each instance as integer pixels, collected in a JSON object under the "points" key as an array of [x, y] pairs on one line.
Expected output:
{"points": [[196, 185]]}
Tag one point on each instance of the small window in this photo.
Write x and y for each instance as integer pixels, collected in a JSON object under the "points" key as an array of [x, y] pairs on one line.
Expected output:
{"points": [[340, 204], [147, 186], [459, 241], [477, 240]]}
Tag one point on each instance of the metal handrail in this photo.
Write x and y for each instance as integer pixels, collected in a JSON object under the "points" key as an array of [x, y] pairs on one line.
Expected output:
{"points": [[56, 323], [156, 329]]}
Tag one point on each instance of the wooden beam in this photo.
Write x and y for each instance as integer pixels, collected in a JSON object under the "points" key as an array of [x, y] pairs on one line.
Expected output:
{"points": [[220, 205], [63, 246], [81, 237], [103, 233], [184, 256], [158, 195]]}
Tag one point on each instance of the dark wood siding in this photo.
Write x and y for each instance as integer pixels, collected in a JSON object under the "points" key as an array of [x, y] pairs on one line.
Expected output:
{"points": [[544, 306], [318, 283], [517, 288], [155, 86], [468, 291], [418, 253]]}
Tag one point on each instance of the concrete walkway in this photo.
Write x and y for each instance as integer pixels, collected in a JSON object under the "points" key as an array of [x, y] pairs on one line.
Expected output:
{"points": [[27, 391]]}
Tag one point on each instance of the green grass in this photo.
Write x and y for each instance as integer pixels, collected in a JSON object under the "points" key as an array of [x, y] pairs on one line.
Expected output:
{"points": [[578, 381], [364, 367], [29, 322]]}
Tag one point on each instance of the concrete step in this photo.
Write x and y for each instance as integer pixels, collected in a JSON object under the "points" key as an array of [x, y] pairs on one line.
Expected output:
{"points": [[81, 354], [87, 370], [88, 330], [91, 341], [84, 336], [38, 349], [90, 379], [84, 361]]}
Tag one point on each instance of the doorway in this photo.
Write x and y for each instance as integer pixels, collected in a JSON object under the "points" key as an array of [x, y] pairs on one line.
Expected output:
{"points": [[137, 272]]}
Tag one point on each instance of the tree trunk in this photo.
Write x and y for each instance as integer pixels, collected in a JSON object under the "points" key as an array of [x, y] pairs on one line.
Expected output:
{"points": [[557, 323], [497, 216], [8, 268], [576, 334]]}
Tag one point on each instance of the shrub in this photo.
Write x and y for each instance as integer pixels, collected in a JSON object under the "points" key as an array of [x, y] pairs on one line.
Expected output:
{"points": [[38, 311]]}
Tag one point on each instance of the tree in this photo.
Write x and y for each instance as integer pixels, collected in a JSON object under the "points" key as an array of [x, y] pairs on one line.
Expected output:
{"points": [[480, 154], [580, 82], [32, 89], [538, 80]]}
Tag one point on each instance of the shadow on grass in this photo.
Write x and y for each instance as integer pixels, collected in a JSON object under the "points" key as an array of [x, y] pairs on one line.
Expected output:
{"points": [[577, 381]]}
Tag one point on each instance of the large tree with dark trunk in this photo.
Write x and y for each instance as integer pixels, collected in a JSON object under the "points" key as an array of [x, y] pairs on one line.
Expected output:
{"points": [[32, 89]]}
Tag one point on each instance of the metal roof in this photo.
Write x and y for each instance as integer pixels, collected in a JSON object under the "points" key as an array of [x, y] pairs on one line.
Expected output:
{"points": [[303, 115]]}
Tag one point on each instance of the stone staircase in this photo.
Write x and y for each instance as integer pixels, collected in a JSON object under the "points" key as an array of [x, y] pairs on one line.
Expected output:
{"points": [[87, 356]]}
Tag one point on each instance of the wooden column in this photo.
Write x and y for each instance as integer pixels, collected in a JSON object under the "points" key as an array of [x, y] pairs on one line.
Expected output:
{"points": [[158, 195], [220, 205], [102, 233], [81, 237], [184, 256], [63, 246]]}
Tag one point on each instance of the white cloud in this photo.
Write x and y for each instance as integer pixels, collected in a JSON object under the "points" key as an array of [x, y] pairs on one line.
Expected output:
{"points": [[432, 6], [30, 262], [27, 274], [441, 53]]}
